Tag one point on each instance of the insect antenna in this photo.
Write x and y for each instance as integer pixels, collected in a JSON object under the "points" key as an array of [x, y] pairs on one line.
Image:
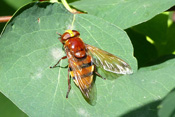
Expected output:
{"points": [[58, 34]]}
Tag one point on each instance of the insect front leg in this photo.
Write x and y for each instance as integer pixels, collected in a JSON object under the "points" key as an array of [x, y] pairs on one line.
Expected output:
{"points": [[64, 57], [69, 85], [95, 70]]}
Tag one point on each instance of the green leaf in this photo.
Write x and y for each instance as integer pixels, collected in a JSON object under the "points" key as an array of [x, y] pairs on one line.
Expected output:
{"points": [[149, 86], [124, 13], [167, 107], [8, 109], [29, 45], [8, 7]]}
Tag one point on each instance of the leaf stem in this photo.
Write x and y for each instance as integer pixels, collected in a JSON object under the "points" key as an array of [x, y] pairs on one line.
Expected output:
{"points": [[66, 5], [53, 1], [72, 26]]}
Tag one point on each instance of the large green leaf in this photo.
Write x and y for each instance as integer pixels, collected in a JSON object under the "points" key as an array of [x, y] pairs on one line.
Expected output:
{"points": [[29, 45], [167, 107], [149, 86], [124, 13], [8, 109]]}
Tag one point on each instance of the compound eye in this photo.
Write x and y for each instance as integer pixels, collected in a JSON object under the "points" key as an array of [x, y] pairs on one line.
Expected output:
{"points": [[76, 33], [65, 36]]}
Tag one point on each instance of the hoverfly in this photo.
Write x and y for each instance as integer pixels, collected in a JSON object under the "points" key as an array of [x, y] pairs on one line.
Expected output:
{"points": [[83, 60]]}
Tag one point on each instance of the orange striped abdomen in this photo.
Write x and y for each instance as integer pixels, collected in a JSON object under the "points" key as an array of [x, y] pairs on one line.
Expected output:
{"points": [[85, 72]]}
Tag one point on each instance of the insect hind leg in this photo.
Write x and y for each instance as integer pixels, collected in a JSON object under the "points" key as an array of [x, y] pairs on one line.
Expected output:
{"points": [[95, 70], [69, 85], [64, 57]]}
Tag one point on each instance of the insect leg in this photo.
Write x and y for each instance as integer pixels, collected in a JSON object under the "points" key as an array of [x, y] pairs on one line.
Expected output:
{"points": [[60, 37], [95, 70], [64, 57], [69, 85]]}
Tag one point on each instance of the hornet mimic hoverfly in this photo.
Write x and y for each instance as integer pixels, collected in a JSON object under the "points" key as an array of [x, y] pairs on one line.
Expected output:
{"points": [[83, 60]]}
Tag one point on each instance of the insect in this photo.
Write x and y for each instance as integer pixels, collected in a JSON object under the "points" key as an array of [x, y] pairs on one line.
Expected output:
{"points": [[83, 60]]}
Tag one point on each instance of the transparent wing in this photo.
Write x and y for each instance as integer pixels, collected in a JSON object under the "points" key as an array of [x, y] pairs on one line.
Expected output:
{"points": [[86, 86], [110, 64]]}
